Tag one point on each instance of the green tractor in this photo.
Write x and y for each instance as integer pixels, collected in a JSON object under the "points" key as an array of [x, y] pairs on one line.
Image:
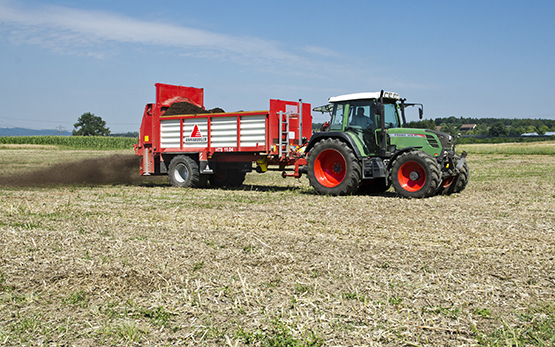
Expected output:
{"points": [[366, 148]]}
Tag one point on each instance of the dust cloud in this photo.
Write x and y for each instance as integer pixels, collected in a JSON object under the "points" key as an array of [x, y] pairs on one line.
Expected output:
{"points": [[115, 169]]}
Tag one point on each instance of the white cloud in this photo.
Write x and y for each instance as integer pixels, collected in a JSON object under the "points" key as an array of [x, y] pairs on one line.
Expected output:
{"points": [[102, 34], [64, 29]]}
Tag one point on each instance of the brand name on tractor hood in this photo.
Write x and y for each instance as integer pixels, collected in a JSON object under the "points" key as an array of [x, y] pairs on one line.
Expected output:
{"points": [[407, 135]]}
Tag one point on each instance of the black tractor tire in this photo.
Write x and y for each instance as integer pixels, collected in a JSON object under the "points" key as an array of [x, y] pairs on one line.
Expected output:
{"points": [[457, 183], [333, 168], [415, 174], [375, 186], [462, 179], [227, 178], [183, 172]]}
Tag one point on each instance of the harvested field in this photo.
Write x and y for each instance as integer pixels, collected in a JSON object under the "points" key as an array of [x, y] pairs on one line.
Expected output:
{"points": [[273, 264]]}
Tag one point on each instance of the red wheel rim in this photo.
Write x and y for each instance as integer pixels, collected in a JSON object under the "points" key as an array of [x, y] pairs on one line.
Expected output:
{"points": [[411, 176], [447, 182], [330, 168]]}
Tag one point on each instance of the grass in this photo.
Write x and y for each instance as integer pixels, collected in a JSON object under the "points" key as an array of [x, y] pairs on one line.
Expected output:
{"points": [[528, 148], [272, 264], [536, 327]]}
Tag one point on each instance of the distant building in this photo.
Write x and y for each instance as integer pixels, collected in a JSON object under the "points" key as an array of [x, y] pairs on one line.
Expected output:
{"points": [[467, 127], [549, 133]]}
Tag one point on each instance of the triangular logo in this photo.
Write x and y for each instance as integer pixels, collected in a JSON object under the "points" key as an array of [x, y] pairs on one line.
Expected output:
{"points": [[196, 131]]}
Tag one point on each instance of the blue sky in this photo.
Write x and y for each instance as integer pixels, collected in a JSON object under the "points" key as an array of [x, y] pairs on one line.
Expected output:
{"points": [[60, 59]]}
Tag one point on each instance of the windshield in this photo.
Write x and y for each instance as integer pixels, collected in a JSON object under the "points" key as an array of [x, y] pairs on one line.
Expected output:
{"points": [[337, 116], [391, 117]]}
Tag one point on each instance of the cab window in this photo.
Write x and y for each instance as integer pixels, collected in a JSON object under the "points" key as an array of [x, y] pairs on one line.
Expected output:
{"points": [[337, 116], [391, 117], [362, 114]]}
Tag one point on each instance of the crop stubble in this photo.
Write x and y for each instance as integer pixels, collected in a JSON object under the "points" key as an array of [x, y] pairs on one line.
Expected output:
{"points": [[145, 262]]}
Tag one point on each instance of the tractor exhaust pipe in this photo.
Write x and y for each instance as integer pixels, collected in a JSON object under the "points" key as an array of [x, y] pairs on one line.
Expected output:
{"points": [[383, 139]]}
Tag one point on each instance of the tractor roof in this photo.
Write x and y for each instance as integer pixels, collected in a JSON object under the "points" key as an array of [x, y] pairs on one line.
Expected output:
{"points": [[364, 96]]}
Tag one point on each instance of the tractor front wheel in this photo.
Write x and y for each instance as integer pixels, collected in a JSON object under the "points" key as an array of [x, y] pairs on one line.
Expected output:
{"points": [[333, 168], [415, 174], [462, 179], [455, 184]]}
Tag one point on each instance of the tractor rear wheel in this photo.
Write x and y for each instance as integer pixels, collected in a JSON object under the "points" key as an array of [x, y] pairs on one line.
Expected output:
{"points": [[333, 168], [183, 172], [415, 174]]}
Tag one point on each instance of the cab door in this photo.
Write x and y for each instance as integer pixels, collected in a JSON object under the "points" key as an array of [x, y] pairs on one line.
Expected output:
{"points": [[362, 124]]}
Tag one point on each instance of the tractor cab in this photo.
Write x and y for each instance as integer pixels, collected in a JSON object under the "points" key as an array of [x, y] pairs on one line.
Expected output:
{"points": [[360, 111], [359, 115]]}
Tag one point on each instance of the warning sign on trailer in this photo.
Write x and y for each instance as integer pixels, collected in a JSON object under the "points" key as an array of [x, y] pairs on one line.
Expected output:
{"points": [[196, 135]]}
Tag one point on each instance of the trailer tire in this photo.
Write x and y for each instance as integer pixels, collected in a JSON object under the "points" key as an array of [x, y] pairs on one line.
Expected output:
{"points": [[333, 168], [227, 178], [415, 174], [183, 172]]}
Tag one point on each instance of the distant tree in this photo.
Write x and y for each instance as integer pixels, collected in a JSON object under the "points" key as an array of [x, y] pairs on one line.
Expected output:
{"points": [[515, 131], [531, 129], [498, 129], [542, 130], [422, 124], [481, 129], [90, 125], [449, 128]]}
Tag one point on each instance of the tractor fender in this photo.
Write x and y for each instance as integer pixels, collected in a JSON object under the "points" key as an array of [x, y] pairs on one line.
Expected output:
{"points": [[398, 153], [336, 135]]}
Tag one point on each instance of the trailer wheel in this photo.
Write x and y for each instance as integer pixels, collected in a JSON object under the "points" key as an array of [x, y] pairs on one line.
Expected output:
{"points": [[455, 184], [228, 178], [333, 168], [415, 174], [184, 172]]}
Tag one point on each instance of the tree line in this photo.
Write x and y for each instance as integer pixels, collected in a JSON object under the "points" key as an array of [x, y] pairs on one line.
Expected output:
{"points": [[495, 127]]}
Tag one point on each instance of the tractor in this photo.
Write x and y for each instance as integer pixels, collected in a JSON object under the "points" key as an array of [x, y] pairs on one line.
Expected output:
{"points": [[366, 148]]}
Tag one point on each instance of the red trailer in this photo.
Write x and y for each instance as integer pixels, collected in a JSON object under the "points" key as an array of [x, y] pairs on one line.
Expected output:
{"points": [[220, 147]]}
